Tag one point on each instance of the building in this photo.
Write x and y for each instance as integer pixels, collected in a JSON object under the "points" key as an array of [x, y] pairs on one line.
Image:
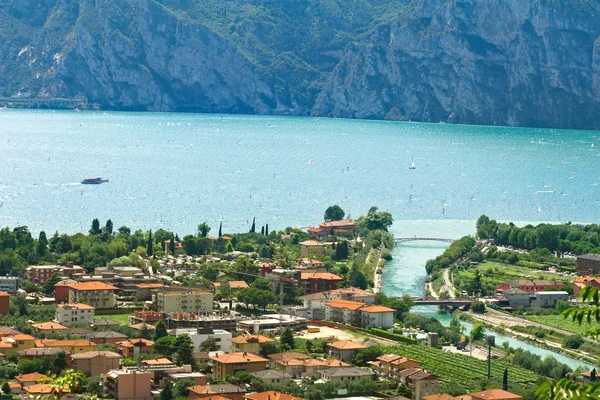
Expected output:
{"points": [[62, 290], [516, 297], [39, 274], [39, 352], [345, 227], [588, 264], [198, 377], [273, 323], [104, 323], [496, 394], [319, 281], [8, 284], [4, 303], [128, 384], [70, 313], [103, 337], [273, 377], [97, 294], [30, 379], [200, 335], [94, 363], [49, 327], [271, 395], [344, 350], [249, 343], [390, 365], [143, 291], [72, 346], [182, 299], [376, 316], [234, 285], [216, 392], [347, 374], [228, 364], [134, 347], [11, 344], [312, 248], [204, 321], [422, 383], [580, 283], [314, 303], [144, 316], [548, 299], [530, 285]]}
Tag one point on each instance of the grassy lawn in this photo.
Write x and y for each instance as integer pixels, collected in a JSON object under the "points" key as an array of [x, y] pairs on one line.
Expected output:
{"points": [[120, 318], [558, 321]]}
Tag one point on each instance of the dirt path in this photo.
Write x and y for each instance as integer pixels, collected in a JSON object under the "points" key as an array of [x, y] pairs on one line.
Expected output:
{"points": [[448, 286], [432, 293], [378, 274]]}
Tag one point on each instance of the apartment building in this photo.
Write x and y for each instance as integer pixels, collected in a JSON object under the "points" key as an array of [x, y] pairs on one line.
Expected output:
{"points": [[228, 364], [39, 274], [128, 384], [344, 350], [62, 289], [97, 294], [8, 284], [70, 313], [200, 335], [183, 299], [94, 363], [249, 343]]}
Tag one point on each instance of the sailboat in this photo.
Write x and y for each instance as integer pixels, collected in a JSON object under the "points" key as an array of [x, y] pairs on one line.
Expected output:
{"points": [[412, 166]]}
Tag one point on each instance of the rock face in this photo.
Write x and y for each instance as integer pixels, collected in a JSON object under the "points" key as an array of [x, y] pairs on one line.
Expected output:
{"points": [[498, 62]]}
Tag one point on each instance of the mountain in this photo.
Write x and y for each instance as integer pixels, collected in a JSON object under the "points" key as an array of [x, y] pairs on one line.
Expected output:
{"points": [[497, 62]]}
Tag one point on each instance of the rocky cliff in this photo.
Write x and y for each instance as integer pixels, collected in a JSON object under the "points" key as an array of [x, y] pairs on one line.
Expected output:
{"points": [[501, 62]]}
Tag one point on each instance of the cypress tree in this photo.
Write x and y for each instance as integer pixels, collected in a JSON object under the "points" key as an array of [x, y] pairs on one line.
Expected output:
{"points": [[221, 229], [253, 228], [149, 249], [593, 375], [262, 230], [108, 228], [95, 227], [267, 230], [172, 246], [505, 380]]}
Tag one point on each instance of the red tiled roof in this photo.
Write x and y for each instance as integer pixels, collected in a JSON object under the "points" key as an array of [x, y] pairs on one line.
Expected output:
{"points": [[94, 285], [377, 309], [244, 339], [343, 222], [79, 306], [149, 285], [48, 326], [238, 358], [271, 395], [33, 377], [350, 305], [346, 345], [327, 276], [496, 394], [311, 243]]}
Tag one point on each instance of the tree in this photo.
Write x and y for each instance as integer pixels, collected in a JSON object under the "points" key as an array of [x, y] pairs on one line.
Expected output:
{"points": [[203, 229], [172, 245], [262, 230], [149, 249], [164, 346], [357, 278], [363, 356], [478, 307], [225, 290], [210, 344], [334, 213], [42, 244], [95, 227], [60, 361], [253, 227], [167, 392], [181, 388], [593, 375], [160, 330], [267, 230], [562, 305], [375, 220], [287, 337], [108, 228], [6, 388], [221, 229], [184, 351], [48, 287], [478, 332], [573, 341], [505, 380]]}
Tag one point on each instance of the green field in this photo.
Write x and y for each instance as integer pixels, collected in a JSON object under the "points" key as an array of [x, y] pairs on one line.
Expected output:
{"points": [[120, 318], [560, 322]]}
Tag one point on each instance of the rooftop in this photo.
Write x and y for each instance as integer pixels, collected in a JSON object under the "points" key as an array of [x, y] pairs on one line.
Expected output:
{"points": [[79, 306], [350, 305], [349, 371], [271, 395], [93, 354], [497, 394], [49, 326], [311, 243], [238, 358], [271, 374], [377, 309], [66, 282], [245, 339], [327, 276], [157, 361], [94, 285], [343, 222], [40, 388], [216, 389], [346, 345], [149, 285], [107, 335], [33, 377]]}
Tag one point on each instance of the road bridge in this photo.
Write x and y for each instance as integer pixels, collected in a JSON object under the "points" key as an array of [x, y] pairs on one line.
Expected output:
{"points": [[417, 239], [457, 302]]}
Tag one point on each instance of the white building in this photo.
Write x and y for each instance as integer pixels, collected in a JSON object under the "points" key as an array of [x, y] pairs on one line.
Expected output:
{"points": [[548, 299], [200, 335], [359, 314], [67, 314], [376, 316], [314, 304], [8, 284]]}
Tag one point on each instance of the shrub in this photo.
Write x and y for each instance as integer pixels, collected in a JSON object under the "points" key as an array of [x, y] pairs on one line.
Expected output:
{"points": [[574, 341]]}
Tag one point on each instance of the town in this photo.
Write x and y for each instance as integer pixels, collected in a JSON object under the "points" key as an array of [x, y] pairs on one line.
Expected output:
{"points": [[272, 315]]}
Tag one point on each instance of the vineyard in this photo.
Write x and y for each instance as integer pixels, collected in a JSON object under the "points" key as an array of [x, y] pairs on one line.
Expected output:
{"points": [[560, 322], [460, 368]]}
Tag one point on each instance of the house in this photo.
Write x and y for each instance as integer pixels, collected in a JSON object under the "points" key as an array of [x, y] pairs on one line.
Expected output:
{"points": [[128, 384], [97, 294], [376, 316], [143, 291], [8, 284], [30, 379], [548, 299], [198, 377], [390, 365], [94, 363], [200, 335], [516, 297], [103, 337], [40, 391], [62, 290], [300, 367], [348, 374], [314, 303], [11, 344], [4, 303], [183, 299], [72, 346], [249, 343], [39, 274], [422, 383], [49, 327], [580, 283], [495, 394], [588, 264], [39, 352], [530, 285], [587, 377], [344, 350], [69, 313], [344, 227], [216, 392], [105, 323], [271, 395], [312, 248], [234, 285], [228, 364], [158, 362], [134, 347], [273, 377]]}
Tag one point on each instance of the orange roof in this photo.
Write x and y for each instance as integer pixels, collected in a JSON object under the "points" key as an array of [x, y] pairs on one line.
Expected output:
{"points": [[245, 339], [64, 343], [376, 309], [311, 243], [237, 358], [34, 377], [18, 336], [215, 397], [314, 230], [4, 294], [350, 305], [238, 284], [271, 395], [303, 362], [149, 285], [337, 363], [133, 342], [40, 388], [94, 285], [66, 282], [48, 326], [14, 385], [79, 306], [439, 396], [496, 394], [402, 360], [388, 357], [158, 361], [327, 276], [346, 345], [343, 222]]}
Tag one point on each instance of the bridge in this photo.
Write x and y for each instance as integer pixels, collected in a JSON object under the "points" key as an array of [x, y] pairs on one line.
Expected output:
{"points": [[416, 239], [430, 301]]}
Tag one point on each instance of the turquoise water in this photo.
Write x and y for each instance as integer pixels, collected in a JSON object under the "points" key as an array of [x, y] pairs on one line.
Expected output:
{"points": [[173, 171]]}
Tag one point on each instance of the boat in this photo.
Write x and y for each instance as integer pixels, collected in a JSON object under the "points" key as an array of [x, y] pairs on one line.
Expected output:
{"points": [[93, 181], [412, 166]]}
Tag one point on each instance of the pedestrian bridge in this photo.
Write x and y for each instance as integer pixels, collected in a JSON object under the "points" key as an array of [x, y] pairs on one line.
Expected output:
{"points": [[416, 239], [430, 301]]}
